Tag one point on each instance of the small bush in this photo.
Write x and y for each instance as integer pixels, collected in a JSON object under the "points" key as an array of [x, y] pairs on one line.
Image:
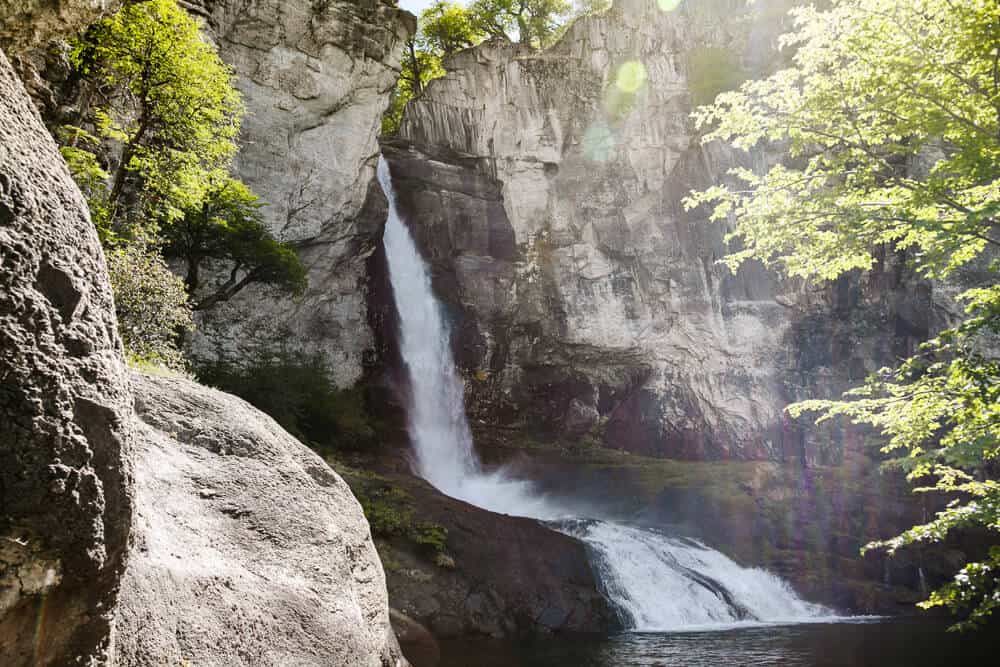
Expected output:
{"points": [[430, 535], [151, 304], [296, 391]]}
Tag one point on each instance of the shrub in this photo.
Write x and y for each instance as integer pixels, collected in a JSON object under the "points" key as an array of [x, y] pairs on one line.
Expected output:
{"points": [[296, 390], [151, 304]]}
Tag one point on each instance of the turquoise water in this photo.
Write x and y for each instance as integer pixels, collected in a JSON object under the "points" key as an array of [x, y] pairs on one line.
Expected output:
{"points": [[873, 643]]}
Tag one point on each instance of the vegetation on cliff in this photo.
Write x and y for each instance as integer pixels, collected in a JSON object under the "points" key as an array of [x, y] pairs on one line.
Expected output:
{"points": [[151, 149], [295, 389], [445, 28], [891, 115]]}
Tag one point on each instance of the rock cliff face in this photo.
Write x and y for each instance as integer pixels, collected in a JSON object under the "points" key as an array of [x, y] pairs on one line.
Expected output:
{"points": [[315, 77], [65, 407], [248, 548], [545, 189]]}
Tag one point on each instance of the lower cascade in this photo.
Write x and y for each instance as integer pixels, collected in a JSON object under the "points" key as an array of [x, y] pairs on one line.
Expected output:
{"points": [[656, 582]]}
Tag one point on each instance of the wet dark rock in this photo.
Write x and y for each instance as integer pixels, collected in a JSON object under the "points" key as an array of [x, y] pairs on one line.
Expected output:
{"points": [[507, 576]]}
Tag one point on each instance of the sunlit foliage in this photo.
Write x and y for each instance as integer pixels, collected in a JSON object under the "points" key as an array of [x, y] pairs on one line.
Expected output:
{"points": [[889, 115], [161, 92], [444, 28], [157, 128], [531, 22]]}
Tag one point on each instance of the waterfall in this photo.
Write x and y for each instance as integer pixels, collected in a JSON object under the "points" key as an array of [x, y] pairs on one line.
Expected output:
{"points": [[656, 582]]}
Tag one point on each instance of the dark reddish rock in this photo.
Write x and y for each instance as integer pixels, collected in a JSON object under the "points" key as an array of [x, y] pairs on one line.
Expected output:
{"points": [[510, 576]]}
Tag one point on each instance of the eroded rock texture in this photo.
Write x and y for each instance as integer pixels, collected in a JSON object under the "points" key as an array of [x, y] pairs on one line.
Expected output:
{"points": [[249, 549], [315, 77], [65, 465], [546, 190], [27, 23]]}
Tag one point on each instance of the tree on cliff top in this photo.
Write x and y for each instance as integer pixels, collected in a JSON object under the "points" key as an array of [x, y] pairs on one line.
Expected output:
{"points": [[531, 22], [444, 28], [891, 117]]}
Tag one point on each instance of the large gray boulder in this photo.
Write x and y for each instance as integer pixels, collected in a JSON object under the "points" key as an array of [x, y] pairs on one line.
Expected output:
{"points": [[249, 549], [65, 407]]}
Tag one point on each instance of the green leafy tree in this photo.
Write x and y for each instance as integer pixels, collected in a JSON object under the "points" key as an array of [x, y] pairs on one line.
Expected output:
{"points": [[444, 28], [531, 22], [78, 150], [225, 226], [165, 97], [448, 27], [151, 305], [889, 115]]}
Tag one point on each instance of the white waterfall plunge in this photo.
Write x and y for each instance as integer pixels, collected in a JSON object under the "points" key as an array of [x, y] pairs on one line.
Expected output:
{"points": [[656, 582]]}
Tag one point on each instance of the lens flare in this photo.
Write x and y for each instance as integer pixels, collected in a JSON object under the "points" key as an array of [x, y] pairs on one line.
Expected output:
{"points": [[668, 5], [598, 142], [631, 76]]}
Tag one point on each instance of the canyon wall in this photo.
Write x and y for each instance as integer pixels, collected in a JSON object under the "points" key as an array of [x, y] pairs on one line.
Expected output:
{"points": [[65, 403], [315, 78], [545, 189]]}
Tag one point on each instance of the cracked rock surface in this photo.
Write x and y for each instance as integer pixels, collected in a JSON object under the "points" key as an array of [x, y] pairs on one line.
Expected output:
{"points": [[315, 78]]}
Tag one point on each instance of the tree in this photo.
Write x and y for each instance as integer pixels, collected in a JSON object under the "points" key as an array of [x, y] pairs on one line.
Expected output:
{"points": [[890, 115], [530, 22], [225, 226], [447, 28], [444, 29], [166, 98]]}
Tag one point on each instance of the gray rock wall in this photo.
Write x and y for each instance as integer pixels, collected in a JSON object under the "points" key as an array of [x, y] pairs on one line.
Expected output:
{"points": [[315, 78], [29, 23], [65, 406], [546, 187]]}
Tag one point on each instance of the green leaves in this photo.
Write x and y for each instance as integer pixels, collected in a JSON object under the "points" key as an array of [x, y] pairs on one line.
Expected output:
{"points": [[444, 28], [891, 113], [225, 225], [531, 22], [169, 103], [889, 119], [151, 304]]}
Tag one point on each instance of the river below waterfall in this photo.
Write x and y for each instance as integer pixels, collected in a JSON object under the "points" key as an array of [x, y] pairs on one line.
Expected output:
{"points": [[860, 643]]}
